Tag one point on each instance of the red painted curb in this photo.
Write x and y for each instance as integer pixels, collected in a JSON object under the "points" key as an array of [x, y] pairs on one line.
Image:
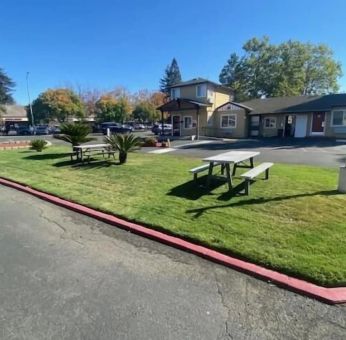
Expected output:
{"points": [[328, 295]]}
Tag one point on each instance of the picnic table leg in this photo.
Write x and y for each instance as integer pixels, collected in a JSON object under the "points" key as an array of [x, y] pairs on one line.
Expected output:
{"points": [[229, 177], [251, 162], [210, 173], [234, 169]]}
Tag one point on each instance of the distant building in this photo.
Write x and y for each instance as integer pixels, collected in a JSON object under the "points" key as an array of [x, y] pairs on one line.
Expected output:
{"points": [[13, 114]]}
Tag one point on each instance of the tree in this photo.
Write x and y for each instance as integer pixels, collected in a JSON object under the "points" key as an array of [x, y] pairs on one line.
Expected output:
{"points": [[6, 88], [110, 109], [287, 69], [171, 77], [145, 111], [57, 104], [146, 103]]}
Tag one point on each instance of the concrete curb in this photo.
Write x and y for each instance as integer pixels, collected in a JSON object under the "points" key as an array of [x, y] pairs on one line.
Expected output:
{"points": [[328, 295]]}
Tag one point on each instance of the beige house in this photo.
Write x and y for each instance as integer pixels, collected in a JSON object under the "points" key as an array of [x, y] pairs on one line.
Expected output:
{"points": [[299, 116], [193, 105], [201, 107]]}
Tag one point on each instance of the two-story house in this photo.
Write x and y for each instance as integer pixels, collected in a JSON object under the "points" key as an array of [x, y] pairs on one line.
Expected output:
{"points": [[193, 109]]}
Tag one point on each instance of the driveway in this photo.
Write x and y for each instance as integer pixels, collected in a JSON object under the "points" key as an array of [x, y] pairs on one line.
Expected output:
{"points": [[319, 152], [66, 276]]}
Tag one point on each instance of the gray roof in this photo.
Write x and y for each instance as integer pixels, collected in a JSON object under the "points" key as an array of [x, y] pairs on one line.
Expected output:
{"points": [[14, 111], [175, 103], [296, 104], [199, 80]]}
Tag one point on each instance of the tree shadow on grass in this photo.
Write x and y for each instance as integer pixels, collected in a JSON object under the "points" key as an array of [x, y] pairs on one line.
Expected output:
{"points": [[94, 164], [194, 190], [253, 201], [46, 156]]}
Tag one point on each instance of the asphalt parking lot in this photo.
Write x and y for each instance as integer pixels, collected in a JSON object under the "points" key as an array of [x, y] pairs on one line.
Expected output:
{"points": [[310, 151], [66, 276]]}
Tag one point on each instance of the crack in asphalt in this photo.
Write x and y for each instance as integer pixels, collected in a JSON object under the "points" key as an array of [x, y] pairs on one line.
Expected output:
{"points": [[226, 332]]}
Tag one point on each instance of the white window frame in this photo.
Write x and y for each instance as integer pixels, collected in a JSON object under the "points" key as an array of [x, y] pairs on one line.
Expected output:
{"points": [[270, 118], [175, 92], [228, 120], [343, 118], [205, 90], [188, 128]]}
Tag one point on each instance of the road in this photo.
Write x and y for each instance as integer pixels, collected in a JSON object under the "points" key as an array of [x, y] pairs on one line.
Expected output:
{"points": [[66, 276], [310, 151], [318, 152]]}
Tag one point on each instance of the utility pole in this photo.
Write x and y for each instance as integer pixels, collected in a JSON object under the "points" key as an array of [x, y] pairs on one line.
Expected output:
{"points": [[30, 106]]}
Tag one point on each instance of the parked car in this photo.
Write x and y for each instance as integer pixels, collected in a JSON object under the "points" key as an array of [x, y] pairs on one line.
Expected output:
{"points": [[139, 127], [157, 129], [24, 130], [54, 130], [42, 130], [115, 128]]}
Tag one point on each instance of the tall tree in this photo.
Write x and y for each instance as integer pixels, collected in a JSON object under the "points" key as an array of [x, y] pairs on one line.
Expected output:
{"points": [[287, 69], [6, 88], [57, 104], [171, 76]]}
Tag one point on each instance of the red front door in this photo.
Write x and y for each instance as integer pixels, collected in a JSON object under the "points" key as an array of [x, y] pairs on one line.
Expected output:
{"points": [[318, 122]]}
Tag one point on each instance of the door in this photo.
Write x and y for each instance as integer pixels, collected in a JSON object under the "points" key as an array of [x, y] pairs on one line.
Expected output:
{"points": [[290, 124], [254, 126], [317, 125], [176, 125], [301, 124]]}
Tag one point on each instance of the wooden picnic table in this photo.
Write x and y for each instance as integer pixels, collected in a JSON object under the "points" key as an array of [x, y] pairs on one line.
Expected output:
{"points": [[82, 149], [237, 158]]}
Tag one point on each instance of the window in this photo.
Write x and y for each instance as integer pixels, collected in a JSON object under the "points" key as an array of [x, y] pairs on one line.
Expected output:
{"points": [[188, 122], [175, 92], [339, 118], [270, 123], [201, 90], [228, 121]]}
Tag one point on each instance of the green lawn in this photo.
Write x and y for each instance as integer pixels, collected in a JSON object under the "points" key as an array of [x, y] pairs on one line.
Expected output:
{"points": [[294, 223]]}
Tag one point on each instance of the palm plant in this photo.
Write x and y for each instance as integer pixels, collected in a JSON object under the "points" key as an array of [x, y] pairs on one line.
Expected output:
{"points": [[124, 144], [74, 133]]}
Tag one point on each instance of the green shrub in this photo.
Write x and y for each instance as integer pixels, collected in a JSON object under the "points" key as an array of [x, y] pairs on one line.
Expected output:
{"points": [[75, 134], [124, 144], [38, 144]]}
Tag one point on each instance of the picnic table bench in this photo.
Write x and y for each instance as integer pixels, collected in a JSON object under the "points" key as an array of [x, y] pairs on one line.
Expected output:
{"points": [[251, 174]]}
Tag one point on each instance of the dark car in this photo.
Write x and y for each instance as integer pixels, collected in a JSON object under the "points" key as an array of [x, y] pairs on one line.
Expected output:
{"points": [[42, 130], [24, 130], [115, 128]]}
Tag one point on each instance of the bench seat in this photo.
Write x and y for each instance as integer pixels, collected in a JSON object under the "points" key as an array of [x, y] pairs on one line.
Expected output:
{"points": [[201, 168], [251, 174]]}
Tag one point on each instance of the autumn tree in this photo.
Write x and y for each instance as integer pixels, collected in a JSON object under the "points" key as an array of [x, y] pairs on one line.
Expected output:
{"points": [[287, 69], [171, 76], [57, 104], [146, 103], [109, 108]]}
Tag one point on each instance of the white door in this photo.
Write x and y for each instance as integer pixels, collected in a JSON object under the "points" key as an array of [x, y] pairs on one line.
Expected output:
{"points": [[301, 125]]}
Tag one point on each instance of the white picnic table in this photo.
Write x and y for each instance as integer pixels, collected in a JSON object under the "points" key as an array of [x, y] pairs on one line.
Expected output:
{"points": [[227, 158], [81, 149]]}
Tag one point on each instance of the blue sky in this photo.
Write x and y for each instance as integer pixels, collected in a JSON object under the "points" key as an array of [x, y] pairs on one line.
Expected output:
{"points": [[104, 43]]}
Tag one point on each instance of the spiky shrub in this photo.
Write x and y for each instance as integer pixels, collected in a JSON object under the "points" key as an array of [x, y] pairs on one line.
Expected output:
{"points": [[38, 144], [74, 133], [124, 143]]}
